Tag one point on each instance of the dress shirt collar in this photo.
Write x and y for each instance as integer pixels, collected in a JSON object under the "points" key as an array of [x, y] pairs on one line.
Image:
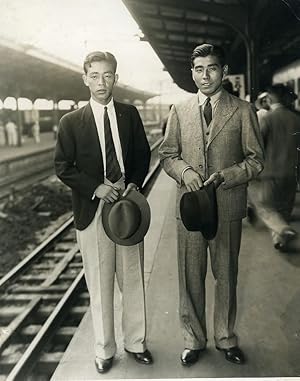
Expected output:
{"points": [[214, 98], [98, 107]]}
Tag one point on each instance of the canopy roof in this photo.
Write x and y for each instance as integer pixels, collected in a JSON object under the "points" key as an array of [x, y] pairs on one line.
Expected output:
{"points": [[31, 73], [175, 27]]}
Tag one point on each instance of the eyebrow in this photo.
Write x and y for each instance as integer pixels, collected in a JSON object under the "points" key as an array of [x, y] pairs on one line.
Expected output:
{"points": [[210, 65], [106, 72]]}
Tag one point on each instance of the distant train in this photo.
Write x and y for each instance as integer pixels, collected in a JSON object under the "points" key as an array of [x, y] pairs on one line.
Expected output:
{"points": [[290, 75]]}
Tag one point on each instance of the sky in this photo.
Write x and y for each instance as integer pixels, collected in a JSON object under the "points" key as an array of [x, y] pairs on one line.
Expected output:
{"points": [[72, 28]]}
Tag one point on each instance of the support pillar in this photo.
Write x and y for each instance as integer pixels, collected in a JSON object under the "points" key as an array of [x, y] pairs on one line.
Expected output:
{"points": [[19, 121], [252, 67]]}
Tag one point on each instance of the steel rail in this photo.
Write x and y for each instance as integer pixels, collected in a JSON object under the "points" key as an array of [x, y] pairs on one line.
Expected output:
{"points": [[27, 360], [38, 251]]}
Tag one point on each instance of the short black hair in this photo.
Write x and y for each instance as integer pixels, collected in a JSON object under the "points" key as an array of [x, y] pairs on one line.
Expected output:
{"points": [[205, 50], [97, 57], [284, 94]]}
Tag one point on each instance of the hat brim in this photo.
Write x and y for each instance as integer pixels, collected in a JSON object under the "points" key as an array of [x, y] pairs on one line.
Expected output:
{"points": [[140, 233], [203, 215]]}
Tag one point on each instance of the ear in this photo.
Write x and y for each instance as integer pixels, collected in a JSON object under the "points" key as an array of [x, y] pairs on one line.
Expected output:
{"points": [[192, 70], [225, 71], [116, 78], [84, 78]]}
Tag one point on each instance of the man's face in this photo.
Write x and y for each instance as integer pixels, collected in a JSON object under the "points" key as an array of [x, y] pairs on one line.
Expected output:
{"points": [[100, 79], [208, 74]]}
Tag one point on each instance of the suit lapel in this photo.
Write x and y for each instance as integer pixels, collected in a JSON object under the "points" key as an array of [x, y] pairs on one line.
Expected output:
{"points": [[224, 111], [194, 122], [91, 138], [123, 128]]}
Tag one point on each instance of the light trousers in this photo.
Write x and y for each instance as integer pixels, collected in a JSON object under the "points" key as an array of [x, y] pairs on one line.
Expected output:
{"points": [[102, 260]]}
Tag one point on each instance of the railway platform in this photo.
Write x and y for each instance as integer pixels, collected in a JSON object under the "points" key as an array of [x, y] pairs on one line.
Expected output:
{"points": [[268, 321], [28, 147]]}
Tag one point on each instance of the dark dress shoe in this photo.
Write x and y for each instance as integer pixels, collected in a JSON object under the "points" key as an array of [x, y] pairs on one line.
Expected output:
{"points": [[103, 365], [142, 357], [190, 356], [287, 235], [233, 354]]}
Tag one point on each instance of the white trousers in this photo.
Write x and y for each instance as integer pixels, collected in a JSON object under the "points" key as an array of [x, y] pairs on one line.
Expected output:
{"points": [[102, 259]]}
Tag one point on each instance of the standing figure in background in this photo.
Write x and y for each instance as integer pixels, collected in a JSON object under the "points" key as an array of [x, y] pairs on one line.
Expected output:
{"points": [[262, 104], [2, 134], [36, 132], [11, 131], [213, 137], [101, 152], [55, 130], [272, 195]]}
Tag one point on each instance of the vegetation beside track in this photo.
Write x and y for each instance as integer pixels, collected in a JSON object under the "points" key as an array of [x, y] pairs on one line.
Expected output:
{"points": [[25, 218]]}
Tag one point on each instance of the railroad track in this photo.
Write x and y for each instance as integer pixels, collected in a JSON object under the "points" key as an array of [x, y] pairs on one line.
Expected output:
{"points": [[43, 300]]}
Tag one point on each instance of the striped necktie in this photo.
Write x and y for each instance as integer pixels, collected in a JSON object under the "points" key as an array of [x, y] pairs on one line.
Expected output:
{"points": [[113, 171], [207, 112]]}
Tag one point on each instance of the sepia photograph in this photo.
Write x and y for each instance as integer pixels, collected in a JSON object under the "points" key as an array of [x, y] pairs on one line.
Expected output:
{"points": [[149, 190]]}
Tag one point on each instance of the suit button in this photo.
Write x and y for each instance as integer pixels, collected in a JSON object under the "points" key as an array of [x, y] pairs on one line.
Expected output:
{"points": [[207, 133], [200, 165]]}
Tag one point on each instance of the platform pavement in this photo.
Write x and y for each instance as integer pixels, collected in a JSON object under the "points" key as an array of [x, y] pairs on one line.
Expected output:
{"points": [[268, 319], [28, 146]]}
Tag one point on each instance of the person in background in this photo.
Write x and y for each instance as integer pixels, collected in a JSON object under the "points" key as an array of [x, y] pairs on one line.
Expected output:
{"points": [[212, 137], [262, 105], [2, 134], [290, 99], [54, 130], [36, 132], [11, 131], [272, 194], [98, 158]]}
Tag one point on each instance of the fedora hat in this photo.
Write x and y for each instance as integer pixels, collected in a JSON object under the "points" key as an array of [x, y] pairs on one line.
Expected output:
{"points": [[127, 220], [259, 99], [199, 211]]}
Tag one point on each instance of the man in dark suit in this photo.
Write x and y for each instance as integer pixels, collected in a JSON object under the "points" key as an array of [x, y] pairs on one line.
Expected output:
{"points": [[102, 151], [211, 137], [272, 194]]}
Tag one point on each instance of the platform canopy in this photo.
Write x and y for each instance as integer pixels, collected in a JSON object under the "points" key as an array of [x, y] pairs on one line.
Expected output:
{"points": [[31, 73], [269, 29]]}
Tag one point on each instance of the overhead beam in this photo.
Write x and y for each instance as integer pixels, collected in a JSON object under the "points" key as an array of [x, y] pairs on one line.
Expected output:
{"points": [[233, 15]]}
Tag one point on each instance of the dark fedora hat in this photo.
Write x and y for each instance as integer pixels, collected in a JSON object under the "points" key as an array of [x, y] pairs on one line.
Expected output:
{"points": [[199, 211], [127, 220]]}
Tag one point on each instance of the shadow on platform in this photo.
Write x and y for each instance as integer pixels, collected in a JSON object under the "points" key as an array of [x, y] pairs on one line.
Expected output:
{"points": [[268, 322]]}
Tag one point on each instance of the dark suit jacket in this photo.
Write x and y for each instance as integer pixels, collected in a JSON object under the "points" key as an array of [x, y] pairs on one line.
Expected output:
{"points": [[78, 156], [278, 128]]}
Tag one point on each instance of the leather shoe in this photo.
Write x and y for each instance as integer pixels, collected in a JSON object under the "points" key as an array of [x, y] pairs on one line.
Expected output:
{"points": [[286, 235], [103, 365], [190, 356], [142, 357], [233, 354]]}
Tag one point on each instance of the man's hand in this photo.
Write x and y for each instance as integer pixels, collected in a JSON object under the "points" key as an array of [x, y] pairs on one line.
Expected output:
{"points": [[192, 180], [216, 178], [130, 186], [108, 193]]}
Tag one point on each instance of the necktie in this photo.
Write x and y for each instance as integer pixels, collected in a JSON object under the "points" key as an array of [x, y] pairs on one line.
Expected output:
{"points": [[207, 112], [113, 171]]}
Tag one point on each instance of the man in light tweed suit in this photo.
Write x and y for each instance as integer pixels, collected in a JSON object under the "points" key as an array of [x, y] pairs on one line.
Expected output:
{"points": [[211, 137]]}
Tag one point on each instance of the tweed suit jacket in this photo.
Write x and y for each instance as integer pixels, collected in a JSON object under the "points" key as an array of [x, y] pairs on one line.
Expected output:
{"points": [[78, 156], [234, 146]]}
